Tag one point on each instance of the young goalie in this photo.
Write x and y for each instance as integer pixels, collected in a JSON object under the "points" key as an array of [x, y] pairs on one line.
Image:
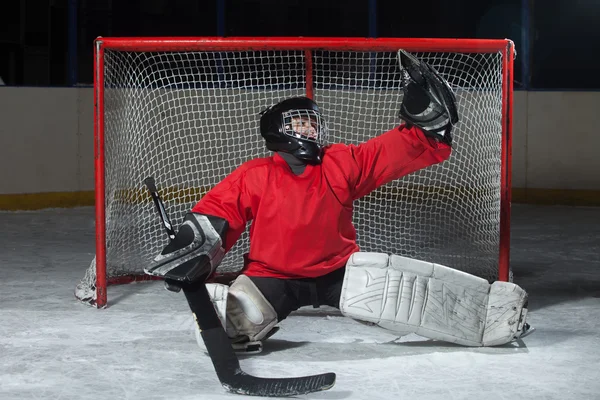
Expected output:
{"points": [[303, 248]]}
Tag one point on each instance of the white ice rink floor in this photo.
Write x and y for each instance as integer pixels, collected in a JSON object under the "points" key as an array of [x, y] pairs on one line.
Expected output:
{"points": [[142, 346]]}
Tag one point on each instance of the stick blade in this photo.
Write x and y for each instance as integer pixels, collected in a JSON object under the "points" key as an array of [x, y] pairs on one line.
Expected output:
{"points": [[227, 364], [242, 383]]}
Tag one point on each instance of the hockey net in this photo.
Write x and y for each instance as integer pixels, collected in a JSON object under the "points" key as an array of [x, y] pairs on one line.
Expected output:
{"points": [[187, 111]]}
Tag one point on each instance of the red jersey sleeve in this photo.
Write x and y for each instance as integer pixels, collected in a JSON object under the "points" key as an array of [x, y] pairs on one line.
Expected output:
{"points": [[228, 200], [393, 155]]}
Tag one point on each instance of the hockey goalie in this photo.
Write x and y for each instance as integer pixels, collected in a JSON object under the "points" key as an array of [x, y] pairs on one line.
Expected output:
{"points": [[303, 248]]}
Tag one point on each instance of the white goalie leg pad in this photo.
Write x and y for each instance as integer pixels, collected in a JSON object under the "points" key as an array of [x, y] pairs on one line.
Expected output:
{"points": [[248, 311], [412, 296], [506, 314]]}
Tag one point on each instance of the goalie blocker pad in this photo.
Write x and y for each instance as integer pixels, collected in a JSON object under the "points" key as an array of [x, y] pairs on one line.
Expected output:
{"points": [[195, 252], [411, 296]]}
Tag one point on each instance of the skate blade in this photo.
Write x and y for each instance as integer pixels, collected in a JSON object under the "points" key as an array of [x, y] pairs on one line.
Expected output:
{"points": [[247, 348], [527, 332]]}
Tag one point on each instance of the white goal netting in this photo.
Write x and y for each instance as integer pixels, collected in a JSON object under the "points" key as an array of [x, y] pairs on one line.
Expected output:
{"points": [[190, 118]]}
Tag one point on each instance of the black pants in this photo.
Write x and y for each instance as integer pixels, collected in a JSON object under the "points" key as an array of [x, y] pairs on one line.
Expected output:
{"points": [[287, 295]]}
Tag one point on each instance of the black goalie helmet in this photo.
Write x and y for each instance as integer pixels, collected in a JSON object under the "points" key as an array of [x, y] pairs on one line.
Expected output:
{"points": [[295, 126]]}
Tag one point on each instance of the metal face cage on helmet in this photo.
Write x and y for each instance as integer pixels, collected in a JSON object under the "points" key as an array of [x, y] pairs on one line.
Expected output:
{"points": [[305, 124]]}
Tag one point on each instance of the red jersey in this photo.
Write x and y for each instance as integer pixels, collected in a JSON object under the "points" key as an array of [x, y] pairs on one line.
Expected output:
{"points": [[302, 224]]}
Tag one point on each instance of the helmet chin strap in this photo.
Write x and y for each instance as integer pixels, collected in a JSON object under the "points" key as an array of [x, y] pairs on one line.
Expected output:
{"points": [[296, 165]]}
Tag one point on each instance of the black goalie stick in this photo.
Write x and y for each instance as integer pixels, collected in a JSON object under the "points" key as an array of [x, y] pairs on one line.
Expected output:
{"points": [[218, 345]]}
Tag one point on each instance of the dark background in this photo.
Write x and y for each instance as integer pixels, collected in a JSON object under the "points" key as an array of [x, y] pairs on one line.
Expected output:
{"points": [[557, 41]]}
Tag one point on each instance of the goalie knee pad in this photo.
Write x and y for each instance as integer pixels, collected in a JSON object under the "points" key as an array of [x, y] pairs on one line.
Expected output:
{"points": [[405, 295], [245, 314], [249, 313]]}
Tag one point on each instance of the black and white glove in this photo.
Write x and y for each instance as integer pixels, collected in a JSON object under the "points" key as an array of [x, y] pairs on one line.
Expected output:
{"points": [[429, 103], [194, 253]]}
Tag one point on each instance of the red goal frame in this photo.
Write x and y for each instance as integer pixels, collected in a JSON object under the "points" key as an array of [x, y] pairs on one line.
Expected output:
{"points": [[308, 45]]}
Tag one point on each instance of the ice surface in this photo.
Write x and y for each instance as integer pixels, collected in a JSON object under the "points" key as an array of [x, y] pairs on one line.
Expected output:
{"points": [[142, 346]]}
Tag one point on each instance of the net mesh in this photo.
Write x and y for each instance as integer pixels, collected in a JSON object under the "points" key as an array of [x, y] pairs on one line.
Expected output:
{"points": [[190, 118]]}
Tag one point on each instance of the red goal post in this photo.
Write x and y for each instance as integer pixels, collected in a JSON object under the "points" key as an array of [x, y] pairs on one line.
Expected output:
{"points": [[168, 85]]}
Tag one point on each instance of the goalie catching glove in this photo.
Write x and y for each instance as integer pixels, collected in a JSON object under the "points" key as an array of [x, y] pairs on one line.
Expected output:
{"points": [[428, 102], [193, 254]]}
